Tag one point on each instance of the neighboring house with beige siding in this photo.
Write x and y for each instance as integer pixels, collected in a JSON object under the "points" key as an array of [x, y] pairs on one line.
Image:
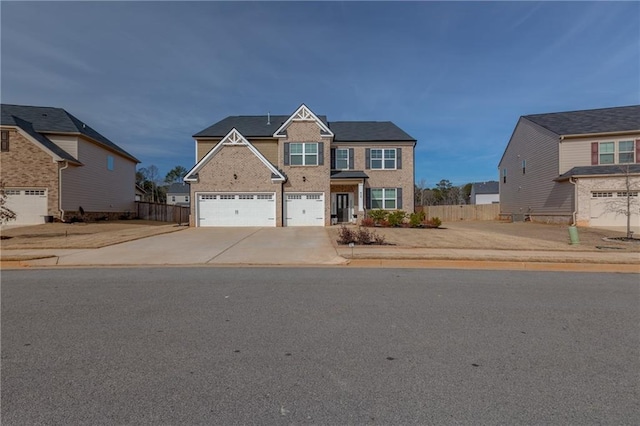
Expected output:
{"points": [[298, 170], [573, 167], [55, 166]]}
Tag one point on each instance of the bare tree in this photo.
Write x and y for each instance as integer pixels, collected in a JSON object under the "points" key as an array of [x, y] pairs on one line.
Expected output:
{"points": [[6, 214]]}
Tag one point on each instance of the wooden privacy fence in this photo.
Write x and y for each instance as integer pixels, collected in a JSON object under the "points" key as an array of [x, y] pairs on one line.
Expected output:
{"points": [[162, 212], [462, 212]]}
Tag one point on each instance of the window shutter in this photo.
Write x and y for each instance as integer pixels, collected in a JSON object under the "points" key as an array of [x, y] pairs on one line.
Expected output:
{"points": [[594, 153], [367, 158], [367, 201], [320, 153], [351, 157], [398, 158], [638, 151], [333, 158], [286, 153], [398, 198]]}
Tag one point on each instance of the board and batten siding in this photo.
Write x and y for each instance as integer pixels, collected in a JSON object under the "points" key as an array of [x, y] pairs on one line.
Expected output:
{"points": [[535, 191], [577, 152], [93, 186]]}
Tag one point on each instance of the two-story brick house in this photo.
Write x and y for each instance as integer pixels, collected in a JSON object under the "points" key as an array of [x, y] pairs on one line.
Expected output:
{"points": [[55, 166], [573, 167], [298, 170]]}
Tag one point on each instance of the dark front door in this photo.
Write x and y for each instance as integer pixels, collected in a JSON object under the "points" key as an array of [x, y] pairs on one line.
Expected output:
{"points": [[342, 209]]}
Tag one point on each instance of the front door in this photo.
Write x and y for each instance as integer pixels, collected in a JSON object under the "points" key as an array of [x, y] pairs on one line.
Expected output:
{"points": [[342, 207]]}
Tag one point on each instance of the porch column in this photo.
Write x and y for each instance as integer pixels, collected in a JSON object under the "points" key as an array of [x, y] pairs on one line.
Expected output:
{"points": [[360, 197]]}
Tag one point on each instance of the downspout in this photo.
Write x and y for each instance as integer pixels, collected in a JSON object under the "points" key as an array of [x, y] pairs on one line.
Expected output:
{"points": [[575, 197], [66, 164]]}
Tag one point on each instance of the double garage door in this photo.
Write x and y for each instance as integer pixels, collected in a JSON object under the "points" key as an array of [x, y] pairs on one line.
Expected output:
{"points": [[608, 208], [29, 205], [259, 209]]}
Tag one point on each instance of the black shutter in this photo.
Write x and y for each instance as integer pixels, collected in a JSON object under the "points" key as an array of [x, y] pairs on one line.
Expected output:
{"points": [[333, 158], [367, 158], [320, 153], [367, 201], [398, 158], [398, 198], [286, 153], [350, 158]]}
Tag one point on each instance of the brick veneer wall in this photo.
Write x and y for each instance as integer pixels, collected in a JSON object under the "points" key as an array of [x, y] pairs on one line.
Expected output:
{"points": [[26, 165]]}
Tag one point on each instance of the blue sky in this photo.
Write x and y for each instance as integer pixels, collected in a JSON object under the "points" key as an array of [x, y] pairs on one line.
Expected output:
{"points": [[456, 76]]}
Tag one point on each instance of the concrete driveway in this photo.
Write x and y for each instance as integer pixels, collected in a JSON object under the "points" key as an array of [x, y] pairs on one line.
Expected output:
{"points": [[256, 246]]}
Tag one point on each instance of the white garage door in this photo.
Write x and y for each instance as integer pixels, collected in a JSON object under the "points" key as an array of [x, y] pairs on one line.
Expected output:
{"points": [[608, 208], [232, 209], [29, 205], [304, 209]]}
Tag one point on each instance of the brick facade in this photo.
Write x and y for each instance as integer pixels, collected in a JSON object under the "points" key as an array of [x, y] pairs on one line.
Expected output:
{"points": [[26, 165]]}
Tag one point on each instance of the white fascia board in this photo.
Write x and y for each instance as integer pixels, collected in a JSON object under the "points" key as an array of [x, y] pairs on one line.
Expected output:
{"points": [[313, 117]]}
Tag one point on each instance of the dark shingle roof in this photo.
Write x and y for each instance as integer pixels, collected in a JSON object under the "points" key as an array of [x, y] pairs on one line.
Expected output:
{"points": [[602, 120], [344, 131], [55, 120], [178, 188], [491, 187], [349, 174], [27, 127], [619, 169]]}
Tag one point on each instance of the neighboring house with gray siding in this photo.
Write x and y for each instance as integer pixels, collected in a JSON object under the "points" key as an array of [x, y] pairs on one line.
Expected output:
{"points": [[298, 170], [572, 167], [55, 166], [485, 192], [178, 193]]}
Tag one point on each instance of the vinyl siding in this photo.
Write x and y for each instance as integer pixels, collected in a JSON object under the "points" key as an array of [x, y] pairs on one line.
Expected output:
{"points": [[577, 152], [68, 143], [535, 192], [95, 188], [203, 147], [268, 148]]}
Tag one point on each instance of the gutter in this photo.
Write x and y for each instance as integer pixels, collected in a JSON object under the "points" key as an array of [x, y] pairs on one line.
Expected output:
{"points": [[575, 197], [66, 164]]}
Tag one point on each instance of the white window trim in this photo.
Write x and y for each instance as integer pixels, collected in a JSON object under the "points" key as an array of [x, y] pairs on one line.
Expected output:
{"points": [[616, 152], [110, 163], [346, 159], [385, 198], [303, 153], [383, 159]]}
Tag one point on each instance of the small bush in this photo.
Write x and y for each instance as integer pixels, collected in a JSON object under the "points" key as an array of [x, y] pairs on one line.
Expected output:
{"points": [[363, 236], [368, 222], [434, 222], [396, 218], [378, 215], [346, 235], [416, 219], [384, 223], [378, 239]]}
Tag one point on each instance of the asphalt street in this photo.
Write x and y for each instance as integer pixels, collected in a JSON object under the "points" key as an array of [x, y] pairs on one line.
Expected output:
{"points": [[318, 346]]}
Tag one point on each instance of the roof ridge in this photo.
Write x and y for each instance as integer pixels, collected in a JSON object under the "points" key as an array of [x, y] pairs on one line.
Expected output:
{"points": [[580, 110]]}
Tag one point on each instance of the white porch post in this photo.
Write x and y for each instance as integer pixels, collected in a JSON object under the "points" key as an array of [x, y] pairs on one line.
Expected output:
{"points": [[360, 197]]}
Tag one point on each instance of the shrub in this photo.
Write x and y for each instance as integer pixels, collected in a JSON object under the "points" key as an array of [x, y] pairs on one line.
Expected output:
{"points": [[368, 222], [346, 235], [434, 222], [416, 219], [378, 239], [378, 215], [396, 218], [363, 236]]}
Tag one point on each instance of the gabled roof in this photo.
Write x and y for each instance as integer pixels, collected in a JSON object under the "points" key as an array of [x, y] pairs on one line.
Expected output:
{"points": [[490, 187], [234, 137], [603, 120], [364, 131], [58, 153], [609, 170], [178, 188], [303, 113], [55, 120]]}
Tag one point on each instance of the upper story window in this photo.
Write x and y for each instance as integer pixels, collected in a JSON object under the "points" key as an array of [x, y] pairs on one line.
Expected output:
{"points": [[342, 159], [5, 140], [504, 175], [384, 159], [619, 152], [109, 162], [524, 166], [303, 154]]}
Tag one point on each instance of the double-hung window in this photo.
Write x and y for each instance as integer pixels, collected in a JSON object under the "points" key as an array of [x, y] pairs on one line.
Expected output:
{"points": [[342, 159], [303, 154], [384, 198], [383, 159], [618, 152], [607, 152], [626, 152]]}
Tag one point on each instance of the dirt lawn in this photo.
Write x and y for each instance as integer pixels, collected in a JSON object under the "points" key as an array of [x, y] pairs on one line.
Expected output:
{"points": [[497, 235], [82, 235]]}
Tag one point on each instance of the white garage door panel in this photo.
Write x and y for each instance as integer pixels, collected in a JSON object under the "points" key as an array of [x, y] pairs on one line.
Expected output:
{"points": [[29, 205], [232, 209], [304, 209], [607, 208]]}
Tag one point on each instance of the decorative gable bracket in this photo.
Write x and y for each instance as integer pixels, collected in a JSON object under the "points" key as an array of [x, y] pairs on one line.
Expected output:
{"points": [[302, 114]]}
